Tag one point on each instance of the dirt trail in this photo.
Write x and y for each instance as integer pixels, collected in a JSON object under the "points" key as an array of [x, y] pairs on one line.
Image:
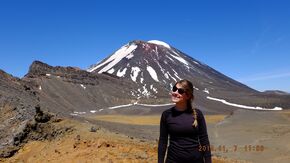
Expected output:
{"points": [[254, 136]]}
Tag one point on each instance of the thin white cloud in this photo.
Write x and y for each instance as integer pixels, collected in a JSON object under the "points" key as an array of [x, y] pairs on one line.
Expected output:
{"points": [[260, 41]]}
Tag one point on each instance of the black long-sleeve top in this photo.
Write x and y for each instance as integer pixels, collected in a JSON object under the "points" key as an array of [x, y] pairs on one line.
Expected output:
{"points": [[187, 143]]}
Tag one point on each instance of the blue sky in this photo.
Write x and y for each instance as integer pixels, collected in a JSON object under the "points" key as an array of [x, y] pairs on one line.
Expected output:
{"points": [[247, 40]]}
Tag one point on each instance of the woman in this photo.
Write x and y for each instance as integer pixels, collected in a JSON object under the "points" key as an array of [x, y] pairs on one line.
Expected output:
{"points": [[186, 128]]}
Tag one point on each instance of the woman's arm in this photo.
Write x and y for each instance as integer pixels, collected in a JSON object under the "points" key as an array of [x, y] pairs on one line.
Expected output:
{"points": [[203, 137], [163, 138]]}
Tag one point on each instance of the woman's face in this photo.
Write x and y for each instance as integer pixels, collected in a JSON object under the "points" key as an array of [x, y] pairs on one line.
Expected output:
{"points": [[178, 94]]}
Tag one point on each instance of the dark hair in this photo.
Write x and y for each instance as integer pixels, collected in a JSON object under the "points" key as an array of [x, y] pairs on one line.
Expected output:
{"points": [[188, 87]]}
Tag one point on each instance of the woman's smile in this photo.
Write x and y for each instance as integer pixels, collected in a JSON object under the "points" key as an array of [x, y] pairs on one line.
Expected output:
{"points": [[175, 95]]}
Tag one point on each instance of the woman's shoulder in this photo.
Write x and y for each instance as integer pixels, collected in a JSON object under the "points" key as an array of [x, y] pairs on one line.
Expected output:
{"points": [[198, 111], [167, 111]]}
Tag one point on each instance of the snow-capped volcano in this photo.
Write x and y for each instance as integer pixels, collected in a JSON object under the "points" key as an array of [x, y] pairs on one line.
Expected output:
{"points": [[156, 65]]}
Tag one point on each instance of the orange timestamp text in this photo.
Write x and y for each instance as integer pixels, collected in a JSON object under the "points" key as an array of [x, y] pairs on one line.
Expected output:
{"points": [[233, 148]]}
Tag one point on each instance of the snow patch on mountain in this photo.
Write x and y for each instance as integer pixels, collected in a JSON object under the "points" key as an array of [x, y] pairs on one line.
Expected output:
{"points": [[169, 58], [176, 74], [145, 92], [180, 59], [134, 73], [121, 73], [120, 106], [171, 76], [195, 88], [206, 90], [162, 69], [78, 113], [136, 103], [152, 73], [157, 105], [171, 85], [129, 56], [141, 80], [83, 86], [242, 106], [154, 89], [157, 42], [124, 51], [93, 111], [156, 50], [111, 71], [196, 62], [166, 76]]}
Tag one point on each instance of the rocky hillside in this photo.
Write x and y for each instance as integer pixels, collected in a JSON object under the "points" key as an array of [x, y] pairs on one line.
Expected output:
{"points": [[21, 117], [68, 90]]}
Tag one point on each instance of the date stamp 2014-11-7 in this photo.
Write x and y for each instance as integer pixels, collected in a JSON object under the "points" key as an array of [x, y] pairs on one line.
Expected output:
{"points": [[233, 148]]}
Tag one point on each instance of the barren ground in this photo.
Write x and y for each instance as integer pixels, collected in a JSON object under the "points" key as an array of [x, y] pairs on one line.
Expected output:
{"points": [[134, 139]]}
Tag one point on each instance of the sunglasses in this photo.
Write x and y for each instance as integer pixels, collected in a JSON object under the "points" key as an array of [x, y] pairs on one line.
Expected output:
{"points": [[179, 90]]}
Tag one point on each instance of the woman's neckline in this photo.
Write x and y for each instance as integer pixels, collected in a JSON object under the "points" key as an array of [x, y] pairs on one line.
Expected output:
{"points": [[175, 108]]}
